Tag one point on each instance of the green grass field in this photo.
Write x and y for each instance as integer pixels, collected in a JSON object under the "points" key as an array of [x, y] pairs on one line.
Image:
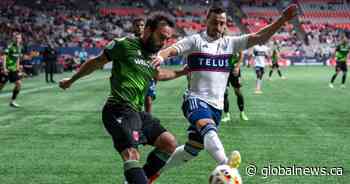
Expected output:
{"points": [[58, 137]]}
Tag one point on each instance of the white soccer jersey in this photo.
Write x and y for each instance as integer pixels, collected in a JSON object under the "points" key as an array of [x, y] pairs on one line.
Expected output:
{"points": [[260, 53], [208, 61]]}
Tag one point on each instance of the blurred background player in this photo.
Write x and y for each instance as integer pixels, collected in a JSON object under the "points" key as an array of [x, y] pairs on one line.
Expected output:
{"points": [[50, 59], [341, 56], [11, 67], [274, 61], [234, 80], [122, 114], [260, 56], [138, 26]]}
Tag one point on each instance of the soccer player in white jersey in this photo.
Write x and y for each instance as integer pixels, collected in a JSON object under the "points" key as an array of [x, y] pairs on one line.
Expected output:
{"points": [[260, 55], [208, 56]]}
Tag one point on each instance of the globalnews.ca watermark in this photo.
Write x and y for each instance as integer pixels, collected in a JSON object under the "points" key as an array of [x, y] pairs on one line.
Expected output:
{"points": [[292, 170]]}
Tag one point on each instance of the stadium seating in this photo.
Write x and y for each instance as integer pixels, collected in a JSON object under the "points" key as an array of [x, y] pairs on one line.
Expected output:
{"points": [[68, 27]]}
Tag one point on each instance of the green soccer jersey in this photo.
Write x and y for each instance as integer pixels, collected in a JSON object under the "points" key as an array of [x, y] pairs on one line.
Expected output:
{"points": [[12, 52], [274, 57], [342, 52], [131, 71]]}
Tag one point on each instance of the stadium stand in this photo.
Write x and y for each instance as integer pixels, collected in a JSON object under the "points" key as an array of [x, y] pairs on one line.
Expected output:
{"points": [[69, 27]]}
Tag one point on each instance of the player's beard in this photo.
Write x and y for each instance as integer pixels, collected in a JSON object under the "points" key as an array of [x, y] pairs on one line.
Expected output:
{"points": [[151, 46]]}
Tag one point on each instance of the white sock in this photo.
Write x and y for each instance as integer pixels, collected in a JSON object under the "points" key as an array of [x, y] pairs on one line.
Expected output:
{"points": [[214, 147], [258, 84], [179, 157]]}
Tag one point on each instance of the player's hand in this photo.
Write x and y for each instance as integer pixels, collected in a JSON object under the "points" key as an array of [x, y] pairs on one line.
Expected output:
{"points": [[236, 71], [290, 12], [185, 69], [156, 61], [65, 83]]}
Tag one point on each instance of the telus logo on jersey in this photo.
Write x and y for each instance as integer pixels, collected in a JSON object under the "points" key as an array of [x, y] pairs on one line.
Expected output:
{"points": [[200, 61], [259, 53]]}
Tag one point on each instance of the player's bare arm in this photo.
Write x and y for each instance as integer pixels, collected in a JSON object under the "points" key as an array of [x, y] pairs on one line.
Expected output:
{"points": [[86, 69], [265, 34], [163, 55], [18, 66], [4, 65], [167, 74]]}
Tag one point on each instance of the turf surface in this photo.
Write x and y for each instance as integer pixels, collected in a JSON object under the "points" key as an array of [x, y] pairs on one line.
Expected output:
{"points": [[57, 136]]}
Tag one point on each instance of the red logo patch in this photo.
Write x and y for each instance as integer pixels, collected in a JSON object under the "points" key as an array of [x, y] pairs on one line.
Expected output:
{"points": [[135, 135]]}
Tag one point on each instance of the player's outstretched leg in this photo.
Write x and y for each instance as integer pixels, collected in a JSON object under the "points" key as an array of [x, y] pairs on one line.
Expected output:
{"points": [[15, 92], [240, 104], [181, 155], [280, 74], [165, 145], [226, 117], [334, 77], [270, 74], [132, 169], [343, 80], [212, 142], [259, 77]]}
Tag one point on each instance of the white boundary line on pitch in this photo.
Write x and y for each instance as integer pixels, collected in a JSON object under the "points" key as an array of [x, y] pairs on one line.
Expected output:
{"points": [[9, 94]]}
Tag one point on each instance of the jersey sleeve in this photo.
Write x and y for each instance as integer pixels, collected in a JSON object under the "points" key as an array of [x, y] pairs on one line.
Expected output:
{"points": [[185, 45], [113, 49], [238, 43]]}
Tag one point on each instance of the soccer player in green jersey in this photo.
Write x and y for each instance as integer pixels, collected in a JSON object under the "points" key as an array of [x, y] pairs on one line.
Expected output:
{"points": [[274, 59], [11, 67], [122, 114], [138, 26], [234, 80], [341, 56]]}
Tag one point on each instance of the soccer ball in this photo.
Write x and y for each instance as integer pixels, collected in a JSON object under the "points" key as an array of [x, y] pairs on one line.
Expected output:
{"points": [[224, 174]]}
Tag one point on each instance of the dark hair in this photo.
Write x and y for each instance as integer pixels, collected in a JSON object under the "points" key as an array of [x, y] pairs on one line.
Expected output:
{"points": [[137, 19], [217, 9], [154, 20]]}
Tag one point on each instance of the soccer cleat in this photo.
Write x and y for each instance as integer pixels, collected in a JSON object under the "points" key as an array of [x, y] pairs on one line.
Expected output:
{"points": [[258, 92], [235, 159], [283, 77], [342, 86], [331, 85], [243, 116], [226, 117], [14, 104]]}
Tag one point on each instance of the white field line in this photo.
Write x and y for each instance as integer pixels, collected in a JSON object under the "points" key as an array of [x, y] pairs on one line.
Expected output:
{"points": [[42, 88]]}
